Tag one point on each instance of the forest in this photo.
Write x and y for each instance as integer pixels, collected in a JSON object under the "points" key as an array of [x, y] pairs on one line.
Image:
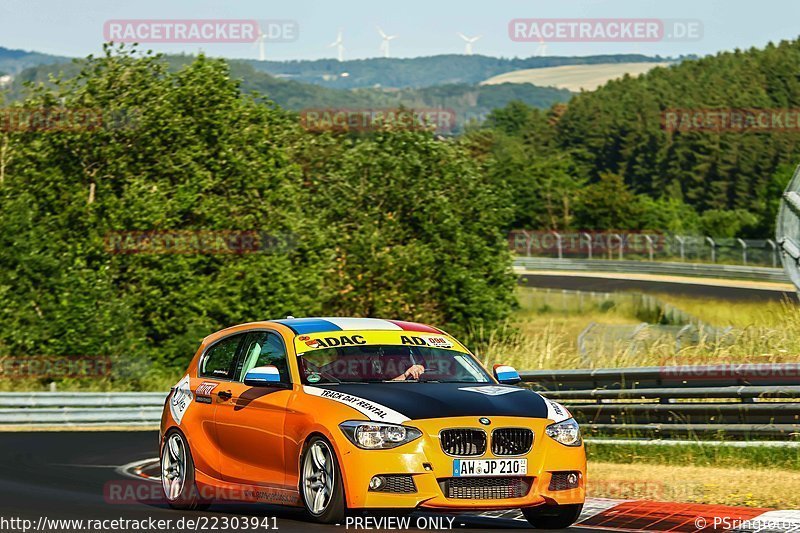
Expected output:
{"points": [[392, 222], [606, 159]]}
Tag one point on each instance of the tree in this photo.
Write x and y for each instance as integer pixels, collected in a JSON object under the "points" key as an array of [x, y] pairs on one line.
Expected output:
{"points": [[396, 224], [418, 230], [608, 204]]}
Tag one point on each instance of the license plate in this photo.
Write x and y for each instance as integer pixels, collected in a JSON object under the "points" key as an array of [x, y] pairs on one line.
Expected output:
{"points": [[489, 467]]}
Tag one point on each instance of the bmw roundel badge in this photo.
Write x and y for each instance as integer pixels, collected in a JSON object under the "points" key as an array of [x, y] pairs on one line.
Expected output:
{"points": [[485, 421]]}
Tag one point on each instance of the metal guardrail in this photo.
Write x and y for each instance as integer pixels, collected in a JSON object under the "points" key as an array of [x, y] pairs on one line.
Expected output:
{"points": [[735, 400], [81, 408], [750, 273]]}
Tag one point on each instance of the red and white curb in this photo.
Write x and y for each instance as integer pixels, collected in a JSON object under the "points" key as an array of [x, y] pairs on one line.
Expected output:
{"points": [[620, 515], [642, 515]]}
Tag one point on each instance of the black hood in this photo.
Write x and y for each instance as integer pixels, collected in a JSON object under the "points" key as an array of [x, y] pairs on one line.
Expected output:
{"points": [[438, 400]]}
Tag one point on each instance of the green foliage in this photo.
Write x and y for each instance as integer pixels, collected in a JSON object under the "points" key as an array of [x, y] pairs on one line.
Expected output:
{"points": [[676, 176], [620, 129], [419, 233], [398, 224], [726, 223], [608, 203]]}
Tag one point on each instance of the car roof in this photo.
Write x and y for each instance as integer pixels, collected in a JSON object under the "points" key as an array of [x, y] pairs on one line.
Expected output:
{"points": [[303, 326], [310, 325]]}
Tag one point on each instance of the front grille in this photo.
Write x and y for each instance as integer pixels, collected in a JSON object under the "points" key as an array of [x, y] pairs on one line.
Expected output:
{"points": [[463, 442], [512, 441], [398, 483], [485, 488]]}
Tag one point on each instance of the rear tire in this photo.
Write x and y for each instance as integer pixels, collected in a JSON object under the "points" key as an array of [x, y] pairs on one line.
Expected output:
{"points": [[553, 516], [177, 474], [321, 487]]}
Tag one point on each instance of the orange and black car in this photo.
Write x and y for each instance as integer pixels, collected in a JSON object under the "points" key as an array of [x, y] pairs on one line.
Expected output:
{"points": [[338, 414]]}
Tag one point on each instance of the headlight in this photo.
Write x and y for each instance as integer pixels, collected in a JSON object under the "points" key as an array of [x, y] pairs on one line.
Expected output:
{"points": [[566, 432], [378, 436]]}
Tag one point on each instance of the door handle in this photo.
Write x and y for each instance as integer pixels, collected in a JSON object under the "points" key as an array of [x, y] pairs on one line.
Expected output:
{"points": [[225, 395]]}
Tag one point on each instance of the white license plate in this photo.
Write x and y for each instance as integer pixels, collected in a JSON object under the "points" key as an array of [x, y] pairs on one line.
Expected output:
{"points": [[489, 467]]}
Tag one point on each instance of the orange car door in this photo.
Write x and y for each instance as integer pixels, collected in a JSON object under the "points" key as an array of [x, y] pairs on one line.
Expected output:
{"points": [[217, 366], [250, 422]]}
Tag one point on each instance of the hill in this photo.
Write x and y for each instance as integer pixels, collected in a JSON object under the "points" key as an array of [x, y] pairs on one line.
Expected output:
{"points": [[467, 101], [574, 78], [423, 71], [719, 135], [15, 61]]}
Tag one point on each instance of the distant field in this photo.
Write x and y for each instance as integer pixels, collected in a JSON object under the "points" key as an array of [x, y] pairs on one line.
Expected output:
{"points": [[574, 77]]}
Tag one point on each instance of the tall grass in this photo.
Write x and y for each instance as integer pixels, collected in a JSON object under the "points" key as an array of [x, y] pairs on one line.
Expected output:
{"points": [[541, 337]]}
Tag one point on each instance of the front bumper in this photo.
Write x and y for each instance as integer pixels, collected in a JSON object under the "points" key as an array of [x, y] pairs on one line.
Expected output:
{"points": [[428, 465]]}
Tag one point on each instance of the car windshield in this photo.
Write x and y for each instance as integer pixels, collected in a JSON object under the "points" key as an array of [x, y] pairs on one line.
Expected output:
{"points": [[389, 363]]}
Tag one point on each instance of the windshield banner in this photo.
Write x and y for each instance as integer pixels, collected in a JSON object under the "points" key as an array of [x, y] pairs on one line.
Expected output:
{"points": [[336, 339]]}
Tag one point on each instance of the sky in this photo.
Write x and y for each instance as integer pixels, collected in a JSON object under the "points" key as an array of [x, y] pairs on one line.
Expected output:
{"points": [[423, 27]]}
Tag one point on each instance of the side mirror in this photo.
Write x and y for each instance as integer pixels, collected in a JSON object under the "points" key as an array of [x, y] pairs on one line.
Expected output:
{"points": [[506, 375], [263, 376]]}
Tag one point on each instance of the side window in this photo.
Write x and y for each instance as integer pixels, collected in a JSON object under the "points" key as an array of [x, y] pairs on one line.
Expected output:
{"points": [[218, 361], [264, 348]]}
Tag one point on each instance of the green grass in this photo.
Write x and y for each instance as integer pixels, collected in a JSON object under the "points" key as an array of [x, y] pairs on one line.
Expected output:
{"points": [[540, 336], [696, 455]]}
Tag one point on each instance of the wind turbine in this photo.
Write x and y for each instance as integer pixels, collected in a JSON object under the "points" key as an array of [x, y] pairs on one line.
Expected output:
{"points": [[339, 46], [542, 50], [468, 43], [385, 42], [262, 56]]}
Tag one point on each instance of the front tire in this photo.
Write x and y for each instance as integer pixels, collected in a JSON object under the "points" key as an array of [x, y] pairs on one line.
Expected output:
{"points": [[553, 516], [177, 474], [321, 487]]}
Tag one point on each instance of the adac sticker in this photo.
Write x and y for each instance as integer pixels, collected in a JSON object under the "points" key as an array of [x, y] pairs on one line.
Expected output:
{"points": [[433, 342], [305, 343], [332, 342], [181, 399]]}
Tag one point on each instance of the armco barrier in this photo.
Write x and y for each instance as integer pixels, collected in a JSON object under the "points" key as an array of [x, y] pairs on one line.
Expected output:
{"points": [[81, 408], [735, 400], [750, 273]]}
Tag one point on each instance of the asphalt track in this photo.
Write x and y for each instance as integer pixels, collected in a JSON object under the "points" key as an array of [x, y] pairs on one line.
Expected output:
{"points": [[71, 475], [690, 288]]}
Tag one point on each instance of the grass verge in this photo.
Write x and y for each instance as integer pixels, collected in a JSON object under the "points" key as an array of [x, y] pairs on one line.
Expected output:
{"points": [[786, 459], [751, 487]]}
